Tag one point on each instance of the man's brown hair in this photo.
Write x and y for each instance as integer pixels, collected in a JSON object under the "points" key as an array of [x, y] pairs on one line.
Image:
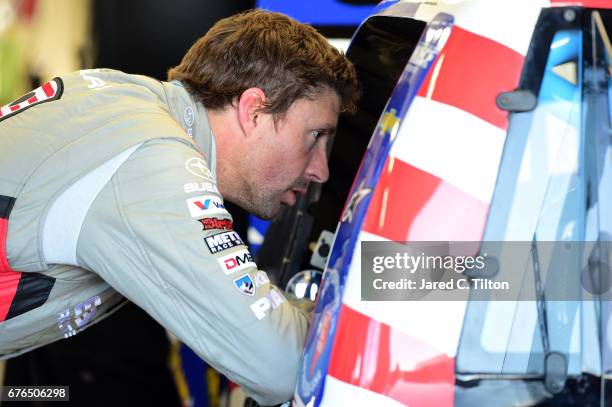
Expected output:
{"points": [[286, 59]]}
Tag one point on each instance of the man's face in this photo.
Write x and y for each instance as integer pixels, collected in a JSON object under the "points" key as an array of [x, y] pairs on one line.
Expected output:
{"points": [[289, 154]]}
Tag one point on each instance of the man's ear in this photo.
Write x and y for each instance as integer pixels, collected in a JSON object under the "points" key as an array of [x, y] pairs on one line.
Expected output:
{"points": [[250, 104]]}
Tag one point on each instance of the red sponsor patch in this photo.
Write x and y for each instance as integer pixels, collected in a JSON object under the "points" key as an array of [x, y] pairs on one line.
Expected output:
{"points": [[215, 223]]}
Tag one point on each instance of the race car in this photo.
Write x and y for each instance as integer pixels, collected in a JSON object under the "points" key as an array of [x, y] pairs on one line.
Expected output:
{"points": [[482, 123]]}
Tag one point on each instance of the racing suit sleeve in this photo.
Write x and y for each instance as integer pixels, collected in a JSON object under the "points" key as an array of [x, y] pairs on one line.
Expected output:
{"points": [[158, 233]]}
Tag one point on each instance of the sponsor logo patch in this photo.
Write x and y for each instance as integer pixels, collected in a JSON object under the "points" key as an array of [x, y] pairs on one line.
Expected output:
{"points": [[236, 261], [197, 166], [248, 285], [260, 278], [216, 223], [201, 187], [206, 205], [70, 321], [189, 116], [271, 301], [245, 284], [223, 241]]}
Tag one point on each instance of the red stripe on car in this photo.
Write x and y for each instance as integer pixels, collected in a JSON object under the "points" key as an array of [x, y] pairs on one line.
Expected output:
{"points": [[409, 204], [375, 356], [472, 84]]}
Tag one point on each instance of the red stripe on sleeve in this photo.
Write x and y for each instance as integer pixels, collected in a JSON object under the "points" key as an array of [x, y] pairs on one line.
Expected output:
{"points": [[473, 83], [48, 89], [9, 279], [374, 356]]}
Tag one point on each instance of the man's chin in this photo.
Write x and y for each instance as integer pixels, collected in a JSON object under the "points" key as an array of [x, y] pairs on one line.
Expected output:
{"points": [[267, 209], [266, 216], [269, 212]]}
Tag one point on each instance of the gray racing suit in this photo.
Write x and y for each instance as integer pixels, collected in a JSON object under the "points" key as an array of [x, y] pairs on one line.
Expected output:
{"points": [[108, 190]]}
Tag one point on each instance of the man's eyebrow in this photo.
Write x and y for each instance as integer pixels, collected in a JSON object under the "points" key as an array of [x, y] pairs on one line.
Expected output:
{"points": [[328, 129]]}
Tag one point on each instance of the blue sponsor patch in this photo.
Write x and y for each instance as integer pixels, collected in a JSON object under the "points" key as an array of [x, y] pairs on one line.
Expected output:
{"points": [[245, 284]]}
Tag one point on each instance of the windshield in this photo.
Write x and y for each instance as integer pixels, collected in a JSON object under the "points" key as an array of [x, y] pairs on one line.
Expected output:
{"points": [[554, 195]]}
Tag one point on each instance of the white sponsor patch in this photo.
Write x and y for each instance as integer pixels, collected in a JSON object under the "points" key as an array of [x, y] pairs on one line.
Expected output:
{"points": [[70, 321], [261, 278], [197, 166], [189, 116], [206, 205], [201, 187], [271, 301], [236, 261]]}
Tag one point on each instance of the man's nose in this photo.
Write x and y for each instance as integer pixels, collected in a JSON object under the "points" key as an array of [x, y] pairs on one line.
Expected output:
{"points": [[317, 169]]}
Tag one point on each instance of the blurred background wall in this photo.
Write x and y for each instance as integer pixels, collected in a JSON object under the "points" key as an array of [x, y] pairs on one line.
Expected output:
{"points": [[41, 39]]}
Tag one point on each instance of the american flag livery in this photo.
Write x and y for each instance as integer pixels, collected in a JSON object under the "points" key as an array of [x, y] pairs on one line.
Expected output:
{"points": [[431, 173]]}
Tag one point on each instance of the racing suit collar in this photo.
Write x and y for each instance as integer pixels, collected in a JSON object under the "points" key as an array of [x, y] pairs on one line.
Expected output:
{"points": [[193, 118]]}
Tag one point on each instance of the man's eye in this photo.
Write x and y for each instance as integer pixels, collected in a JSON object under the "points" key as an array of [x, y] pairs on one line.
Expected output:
{"points": [[317, 133]]}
